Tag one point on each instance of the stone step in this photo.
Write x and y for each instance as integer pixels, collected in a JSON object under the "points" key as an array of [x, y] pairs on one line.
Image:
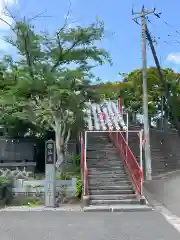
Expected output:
{"points": [[112, 202], [110, 179], [102, 160], [112, 197], [115, 162], [118, 208], [109, 176], [104, 152], [106, 171], [105, 159], [101, 148], [91, 182], [103, 165], [101, 142], [106, 176], [99, 166], [107, 168], [109, 182], [99, 138], [97, 155], [112, 167], [94, 136], [93, 157], [110, 191], [103, 145], [110, 187]]}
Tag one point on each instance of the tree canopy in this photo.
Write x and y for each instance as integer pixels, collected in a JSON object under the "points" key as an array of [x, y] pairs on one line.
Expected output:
{"points": [[47, 87], [131, 89]]}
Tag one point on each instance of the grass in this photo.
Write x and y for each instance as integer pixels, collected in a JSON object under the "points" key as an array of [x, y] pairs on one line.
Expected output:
{"points": [[33, 204], [5, 180]]}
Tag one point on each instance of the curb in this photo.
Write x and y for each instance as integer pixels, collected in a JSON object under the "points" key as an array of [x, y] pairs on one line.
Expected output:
{"points": [[117, 209], [40, 209]]}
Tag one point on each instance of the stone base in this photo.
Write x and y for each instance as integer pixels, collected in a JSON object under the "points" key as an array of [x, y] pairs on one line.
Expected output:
{"points": [[85, 201], [142, 201]]}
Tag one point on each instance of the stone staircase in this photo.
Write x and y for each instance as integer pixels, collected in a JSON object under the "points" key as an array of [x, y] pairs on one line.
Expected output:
{"points": [[108, 181]]}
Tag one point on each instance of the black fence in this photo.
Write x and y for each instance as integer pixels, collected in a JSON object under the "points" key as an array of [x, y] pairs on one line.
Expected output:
{"points": [[16, 149], [17, 152], [26, 152]]}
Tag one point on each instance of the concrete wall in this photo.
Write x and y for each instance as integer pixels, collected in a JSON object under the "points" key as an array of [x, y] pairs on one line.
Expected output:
{"points": [[37, 186]]}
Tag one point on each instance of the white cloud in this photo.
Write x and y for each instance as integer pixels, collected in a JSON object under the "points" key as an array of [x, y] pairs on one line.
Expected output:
{"points": [[174, 57]]}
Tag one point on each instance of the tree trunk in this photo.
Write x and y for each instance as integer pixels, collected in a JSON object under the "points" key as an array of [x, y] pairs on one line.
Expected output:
{"points": [[59, 145], [61, 142]]}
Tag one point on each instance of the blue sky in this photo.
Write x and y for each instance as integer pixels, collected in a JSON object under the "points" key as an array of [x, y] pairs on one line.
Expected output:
{"points": [[124, 45]]}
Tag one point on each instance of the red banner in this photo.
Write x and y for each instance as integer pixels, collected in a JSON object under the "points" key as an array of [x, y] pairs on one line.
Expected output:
{"points": [[120, 103]]}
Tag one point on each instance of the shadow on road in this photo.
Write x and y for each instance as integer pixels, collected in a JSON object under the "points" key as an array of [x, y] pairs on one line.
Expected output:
{"points": [[166, 190]]}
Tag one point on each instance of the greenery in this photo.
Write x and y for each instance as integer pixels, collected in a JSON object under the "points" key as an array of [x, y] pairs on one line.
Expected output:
{"points": [[79, 187], [5, 191], [130, 88], [27, 201], [4, 180], [34, 204], [47, 87]]}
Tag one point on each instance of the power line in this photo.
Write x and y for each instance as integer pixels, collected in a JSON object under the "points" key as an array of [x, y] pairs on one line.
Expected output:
{"points": [[158, 16]]}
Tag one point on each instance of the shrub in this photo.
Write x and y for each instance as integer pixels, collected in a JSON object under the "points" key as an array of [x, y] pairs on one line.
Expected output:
{"points": [[79, 188], [6, 191]]}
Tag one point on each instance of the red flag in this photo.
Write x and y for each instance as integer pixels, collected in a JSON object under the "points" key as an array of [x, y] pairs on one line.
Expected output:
{"points": [[102, 115], [120, 104]]}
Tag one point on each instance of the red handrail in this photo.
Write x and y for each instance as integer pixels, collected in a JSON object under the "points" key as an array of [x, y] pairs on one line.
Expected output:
{"points": [[129, 159]]}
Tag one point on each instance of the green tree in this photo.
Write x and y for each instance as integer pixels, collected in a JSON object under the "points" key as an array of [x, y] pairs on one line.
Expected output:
{"points": [[155, 89], [131, 89], [52, 77]]}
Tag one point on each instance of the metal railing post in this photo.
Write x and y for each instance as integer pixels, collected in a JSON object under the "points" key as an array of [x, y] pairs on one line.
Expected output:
{"points": [[82, 156], [141, 156], [116, 134], [127, 132], [85, 164]]}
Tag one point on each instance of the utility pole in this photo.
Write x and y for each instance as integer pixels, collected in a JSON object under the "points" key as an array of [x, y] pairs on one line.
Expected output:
{"points": [[142, 15]]}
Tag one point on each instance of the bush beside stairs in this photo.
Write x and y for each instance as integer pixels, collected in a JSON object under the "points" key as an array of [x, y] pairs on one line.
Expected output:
{"points": [[109, 185]]}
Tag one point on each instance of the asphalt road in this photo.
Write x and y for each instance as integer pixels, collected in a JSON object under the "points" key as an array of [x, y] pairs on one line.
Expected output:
{"points": [[166, 190], [85, 226]]}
